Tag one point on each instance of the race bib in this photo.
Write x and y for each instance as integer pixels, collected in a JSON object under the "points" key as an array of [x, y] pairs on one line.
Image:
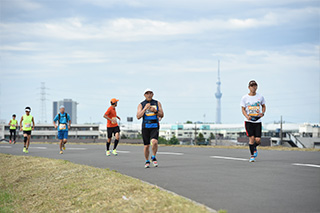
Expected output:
{"points": [[62, 126], [27, 125], [254, 110], [114, 120], [150, 113]]}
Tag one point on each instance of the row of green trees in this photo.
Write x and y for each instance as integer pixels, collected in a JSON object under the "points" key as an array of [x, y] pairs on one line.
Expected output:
{"points": [[172, 141]]}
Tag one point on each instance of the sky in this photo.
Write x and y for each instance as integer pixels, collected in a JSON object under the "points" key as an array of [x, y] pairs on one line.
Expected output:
{"points": [[95, 50]]}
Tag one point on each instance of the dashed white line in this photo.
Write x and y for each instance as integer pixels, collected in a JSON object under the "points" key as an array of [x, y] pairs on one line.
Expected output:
{"points": [[70, 148], [170, 153], [228, 158], [308, 165], [37, 147], [6, 147], [126, 152]]}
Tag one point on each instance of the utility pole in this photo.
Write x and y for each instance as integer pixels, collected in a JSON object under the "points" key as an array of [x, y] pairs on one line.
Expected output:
{"points": [[195, 133], [281, 133]]}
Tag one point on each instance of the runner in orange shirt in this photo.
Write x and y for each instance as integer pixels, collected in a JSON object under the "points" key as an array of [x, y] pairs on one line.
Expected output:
{"points": [[112, 126]]}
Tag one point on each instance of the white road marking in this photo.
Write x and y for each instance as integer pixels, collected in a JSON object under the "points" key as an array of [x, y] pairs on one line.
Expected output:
{"points": [[309, 165], [228, 158], [123, 152], [6, 147], [68, 148], [37, 147], [170, 153]]}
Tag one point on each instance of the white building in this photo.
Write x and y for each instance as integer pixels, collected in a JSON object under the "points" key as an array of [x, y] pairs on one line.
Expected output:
{"points": [[47, 132]]}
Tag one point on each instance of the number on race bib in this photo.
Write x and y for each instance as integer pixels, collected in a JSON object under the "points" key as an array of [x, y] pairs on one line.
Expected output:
{"points": [[114, 120], [62, 126], [254, 110]]}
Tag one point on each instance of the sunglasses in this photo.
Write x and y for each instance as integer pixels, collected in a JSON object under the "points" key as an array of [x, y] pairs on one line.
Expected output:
{"points": [[251, 85]]}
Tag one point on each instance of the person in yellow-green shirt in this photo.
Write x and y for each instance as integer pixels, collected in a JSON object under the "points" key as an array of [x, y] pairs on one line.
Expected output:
{"points": [[13, 128], [28, 125]]}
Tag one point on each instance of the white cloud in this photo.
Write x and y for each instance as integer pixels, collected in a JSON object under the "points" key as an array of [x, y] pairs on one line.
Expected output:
{"points": [[21, 4], [22, 46], [133, 29], [127, 29]]}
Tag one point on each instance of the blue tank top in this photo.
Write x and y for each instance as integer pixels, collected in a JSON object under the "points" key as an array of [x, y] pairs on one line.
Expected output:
{"points": [[150, 119]]}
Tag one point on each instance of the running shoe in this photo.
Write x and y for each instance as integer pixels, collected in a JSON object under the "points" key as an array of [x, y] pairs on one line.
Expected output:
{"points": [[61, 152], [27, 151], [147, 165], [155, 162], [10, 141], [255, 154], [252, 159], [114, 152], [14, 142], [108, 153], [24, 149]]}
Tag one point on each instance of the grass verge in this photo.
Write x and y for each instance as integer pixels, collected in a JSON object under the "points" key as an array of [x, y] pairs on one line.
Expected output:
{"points": [[34, 184]]}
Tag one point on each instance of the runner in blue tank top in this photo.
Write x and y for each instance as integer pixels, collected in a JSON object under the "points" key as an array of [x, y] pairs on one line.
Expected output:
{"points": [[151, 113]]}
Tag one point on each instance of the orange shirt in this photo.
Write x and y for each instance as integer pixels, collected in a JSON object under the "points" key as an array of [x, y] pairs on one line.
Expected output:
{"points": [[111, 113]]}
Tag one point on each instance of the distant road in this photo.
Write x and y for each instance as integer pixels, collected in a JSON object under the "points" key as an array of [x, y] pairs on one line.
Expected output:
{"points": [[279, 182]]}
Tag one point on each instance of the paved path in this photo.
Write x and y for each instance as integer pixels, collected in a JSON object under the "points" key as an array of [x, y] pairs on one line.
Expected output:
{"points": [[280, 181]]}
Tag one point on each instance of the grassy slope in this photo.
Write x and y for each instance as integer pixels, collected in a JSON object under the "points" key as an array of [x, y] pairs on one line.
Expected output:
{"points": [[34, 184]]}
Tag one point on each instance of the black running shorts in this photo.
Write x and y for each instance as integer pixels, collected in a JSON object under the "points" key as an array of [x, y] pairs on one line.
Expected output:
{"points": [[253, 129], [148, 134], [27, 132], [112, 130]]}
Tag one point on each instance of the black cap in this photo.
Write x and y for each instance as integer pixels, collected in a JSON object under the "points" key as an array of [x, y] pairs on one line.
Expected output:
{"points": [[14, 115], [253, 83], [28, 109]]}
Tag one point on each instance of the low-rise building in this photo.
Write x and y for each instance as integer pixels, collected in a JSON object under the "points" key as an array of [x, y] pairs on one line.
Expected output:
{"points": [[47, 132]]}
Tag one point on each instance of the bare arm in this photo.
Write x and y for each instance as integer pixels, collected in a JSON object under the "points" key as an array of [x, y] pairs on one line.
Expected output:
{"points": [[160, 110], [141, 111], [69, 124], [244, 112], [10, 123], [264, 108], [55, 124], [33, 125], [21, 123], [106, 117]]}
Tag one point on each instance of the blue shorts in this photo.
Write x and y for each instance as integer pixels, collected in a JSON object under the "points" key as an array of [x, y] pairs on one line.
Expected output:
{"points": [[62, 135]]}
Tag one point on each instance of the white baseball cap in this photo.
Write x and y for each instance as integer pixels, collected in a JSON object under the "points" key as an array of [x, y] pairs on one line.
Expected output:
{"points": [[148, 90], [61, 106]]}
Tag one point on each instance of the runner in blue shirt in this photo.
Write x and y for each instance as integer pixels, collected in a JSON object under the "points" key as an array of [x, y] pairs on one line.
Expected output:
{"points": [[64, 123]]}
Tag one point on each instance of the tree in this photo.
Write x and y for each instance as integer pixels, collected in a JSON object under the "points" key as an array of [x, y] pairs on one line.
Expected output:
{"points": [[189, 122], [123, 136], [200, 137], [173, 141], [212, 136], [162, 140], [139, 135]]}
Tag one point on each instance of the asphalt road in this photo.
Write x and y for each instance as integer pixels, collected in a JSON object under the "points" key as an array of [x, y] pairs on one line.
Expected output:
{"points": [[279, 182]]}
